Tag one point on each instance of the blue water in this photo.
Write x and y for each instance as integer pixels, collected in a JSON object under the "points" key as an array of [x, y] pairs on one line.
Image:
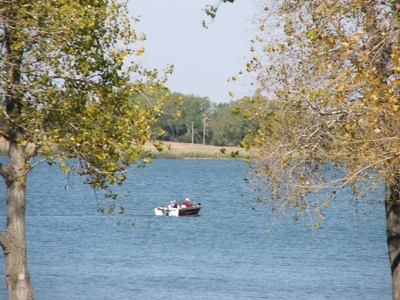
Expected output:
{"points": [[225, 253]]}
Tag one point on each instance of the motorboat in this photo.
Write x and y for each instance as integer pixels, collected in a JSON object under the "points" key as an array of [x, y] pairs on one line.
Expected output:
{"points": [[179, 211]]}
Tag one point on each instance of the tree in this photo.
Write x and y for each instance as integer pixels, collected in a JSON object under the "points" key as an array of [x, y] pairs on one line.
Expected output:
{"points": [[328, 73], [170, 126], [194, 110], [229, 125], [181, 115], [226, 123], [67, 95]]}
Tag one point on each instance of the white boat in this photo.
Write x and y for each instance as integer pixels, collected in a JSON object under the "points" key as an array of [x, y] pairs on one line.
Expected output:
{"points": [[179, 211]]}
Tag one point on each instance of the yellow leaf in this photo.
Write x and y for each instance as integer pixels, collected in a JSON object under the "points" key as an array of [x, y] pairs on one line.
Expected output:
{"points": [[236, 110], [269, 49], [345, 44], [354, 40], [340, 88], [140, 51], [395, 80], [395, 107], [124, 55], [248, 68], [347, 127], [363, 57], [393, 100], [231, 94], [327, 202]]}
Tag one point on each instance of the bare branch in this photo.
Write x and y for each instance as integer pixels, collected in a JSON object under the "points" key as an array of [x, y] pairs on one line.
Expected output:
{"points": [[3, 242]]}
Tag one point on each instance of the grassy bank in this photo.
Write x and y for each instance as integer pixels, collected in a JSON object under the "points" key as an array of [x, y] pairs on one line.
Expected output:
{"points": [[173, 150]]}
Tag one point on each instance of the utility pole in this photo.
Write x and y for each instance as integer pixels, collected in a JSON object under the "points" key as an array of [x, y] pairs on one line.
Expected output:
{"points": [[192, 134]]}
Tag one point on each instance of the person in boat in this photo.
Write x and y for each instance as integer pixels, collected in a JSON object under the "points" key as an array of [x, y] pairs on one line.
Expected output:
{"points": [[173, 204], [187, 202]]}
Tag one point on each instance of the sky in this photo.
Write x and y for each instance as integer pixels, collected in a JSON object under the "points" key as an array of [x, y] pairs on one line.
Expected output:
{"points": [[204, 59]]}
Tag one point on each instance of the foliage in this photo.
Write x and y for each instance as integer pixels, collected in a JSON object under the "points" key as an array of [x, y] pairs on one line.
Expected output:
{"points": [[328, 107], [66, 87], [226, 123], [66, 93], [182, 114], [229, 124], [328, 75]]}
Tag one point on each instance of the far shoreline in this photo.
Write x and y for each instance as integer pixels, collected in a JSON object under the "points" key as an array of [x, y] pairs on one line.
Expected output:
{"points": [[176, 150]]}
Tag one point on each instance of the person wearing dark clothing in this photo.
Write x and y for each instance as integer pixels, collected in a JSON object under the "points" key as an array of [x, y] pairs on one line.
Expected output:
{"points": [[173, 204]]}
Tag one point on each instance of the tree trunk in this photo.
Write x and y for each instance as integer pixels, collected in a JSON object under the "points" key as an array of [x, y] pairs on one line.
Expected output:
{"points": [[392, 205], [14, 242], [14, 174]]}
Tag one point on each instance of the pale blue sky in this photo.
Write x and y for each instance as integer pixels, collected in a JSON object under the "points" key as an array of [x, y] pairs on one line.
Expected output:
{"points": [[204, 59]]}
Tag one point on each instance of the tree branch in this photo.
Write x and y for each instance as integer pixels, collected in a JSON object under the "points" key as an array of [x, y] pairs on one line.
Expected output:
{"points": [[2, 170], [3, 241]]}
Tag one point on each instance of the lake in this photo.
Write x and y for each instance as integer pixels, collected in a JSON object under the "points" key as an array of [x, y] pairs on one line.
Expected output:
{"points": [[224, 253]]}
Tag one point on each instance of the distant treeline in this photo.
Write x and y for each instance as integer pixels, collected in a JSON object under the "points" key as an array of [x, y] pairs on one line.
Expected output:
{"points": [[189, 118]]}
